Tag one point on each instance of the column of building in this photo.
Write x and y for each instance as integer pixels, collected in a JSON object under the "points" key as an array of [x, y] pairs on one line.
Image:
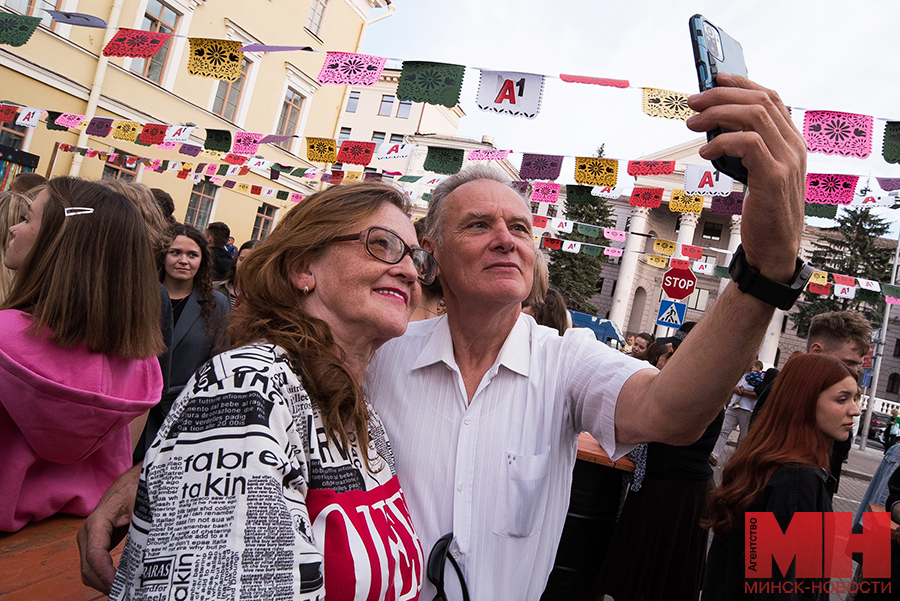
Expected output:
{"points": [[628, 266], [686, 229]]}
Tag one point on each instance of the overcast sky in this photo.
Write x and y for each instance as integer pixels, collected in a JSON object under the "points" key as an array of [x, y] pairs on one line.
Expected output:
{"points": [[822, 54]]}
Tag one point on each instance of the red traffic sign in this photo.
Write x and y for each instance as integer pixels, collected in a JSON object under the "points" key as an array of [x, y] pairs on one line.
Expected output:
{"points": [[679, 283]]}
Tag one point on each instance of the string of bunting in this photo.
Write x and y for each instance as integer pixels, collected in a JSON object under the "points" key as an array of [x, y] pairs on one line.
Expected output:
{"points": [[504, 92], [215, 172], [842, 286], [606, 174]]}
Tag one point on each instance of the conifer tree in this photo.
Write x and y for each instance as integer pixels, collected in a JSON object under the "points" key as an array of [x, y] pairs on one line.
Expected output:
{"points": [[849, 248], [575, 276]]}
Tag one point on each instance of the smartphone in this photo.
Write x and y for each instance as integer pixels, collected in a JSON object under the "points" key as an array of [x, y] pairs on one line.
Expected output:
{"points": [[715, 51]]}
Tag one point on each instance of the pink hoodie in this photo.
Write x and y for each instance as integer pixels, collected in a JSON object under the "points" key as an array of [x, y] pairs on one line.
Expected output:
{"points": [[64, 416]]}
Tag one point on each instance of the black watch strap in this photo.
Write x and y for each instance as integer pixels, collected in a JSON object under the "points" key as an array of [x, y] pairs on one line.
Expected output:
{"points": [[751, 281]]}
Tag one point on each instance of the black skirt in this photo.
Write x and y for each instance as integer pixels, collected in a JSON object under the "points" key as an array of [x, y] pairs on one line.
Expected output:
{"points": [[658, 549]]}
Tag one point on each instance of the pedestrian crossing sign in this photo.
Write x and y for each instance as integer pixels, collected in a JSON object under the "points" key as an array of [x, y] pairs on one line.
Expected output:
{"points": [[671, 314]]}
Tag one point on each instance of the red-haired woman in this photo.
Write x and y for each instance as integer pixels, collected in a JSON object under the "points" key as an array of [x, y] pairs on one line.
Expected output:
{"points": [[781, 467]]}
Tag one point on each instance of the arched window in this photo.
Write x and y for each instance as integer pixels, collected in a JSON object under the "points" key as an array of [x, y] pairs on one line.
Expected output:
{"points": [[893, 383]]}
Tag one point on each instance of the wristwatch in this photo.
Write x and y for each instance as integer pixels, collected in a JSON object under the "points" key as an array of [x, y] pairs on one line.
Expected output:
{"points": [[751, 281]]}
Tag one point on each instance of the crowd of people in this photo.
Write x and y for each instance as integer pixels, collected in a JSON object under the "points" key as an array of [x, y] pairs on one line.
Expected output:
{"points": [[315, 429]]}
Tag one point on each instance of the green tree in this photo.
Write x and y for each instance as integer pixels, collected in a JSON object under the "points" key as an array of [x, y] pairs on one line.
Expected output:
{"points": [[849, 248], [575, 276]]}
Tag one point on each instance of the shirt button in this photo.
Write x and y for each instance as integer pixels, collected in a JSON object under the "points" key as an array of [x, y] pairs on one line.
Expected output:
{"points": [[468, 420], [459, 486]]}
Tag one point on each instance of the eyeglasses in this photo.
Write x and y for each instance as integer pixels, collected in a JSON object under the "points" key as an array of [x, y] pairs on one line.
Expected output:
{"points": [[435, 568], [388, 247]]}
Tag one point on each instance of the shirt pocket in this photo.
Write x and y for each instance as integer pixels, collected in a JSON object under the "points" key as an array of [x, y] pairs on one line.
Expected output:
{"points": [[524, 482]]}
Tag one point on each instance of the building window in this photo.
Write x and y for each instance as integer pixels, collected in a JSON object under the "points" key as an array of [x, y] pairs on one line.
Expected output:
{"points": [[353, 102], [534, 207], [777, 356], [698, 299], [678, 224], [784, 323], [116, 171], [316, 16], [228, 94], [712, 231], [34, 8], [403, 109], [378, 137], [12, 135], [897, 348], [613, 291], [265, 216], [344, 135], [893, 385], [396, 138], [387, 104], [600, 286], [551, 211], [370, 170], [158, 17], [200, 206], [290, 116]]}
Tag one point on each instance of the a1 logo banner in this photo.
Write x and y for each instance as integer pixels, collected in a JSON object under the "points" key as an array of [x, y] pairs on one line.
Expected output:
{"points": [[614, 235], [874, 200], [869, 285], [511, 93], [393, 150], [434, 181], [664, 247], [614, 192], [174, 166], [816, 288], [29, 116], [538, 221], [680, 264], [612, 252], [844, 291], [691, 252], [179, 133], [657, 261], [704, 267], [700, 180], [563, 225], [259, 163], [268, 192], [571, 247]]}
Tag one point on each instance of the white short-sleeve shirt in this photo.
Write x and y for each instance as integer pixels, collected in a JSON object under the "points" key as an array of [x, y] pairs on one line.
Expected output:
{"points": [[496, 472]]}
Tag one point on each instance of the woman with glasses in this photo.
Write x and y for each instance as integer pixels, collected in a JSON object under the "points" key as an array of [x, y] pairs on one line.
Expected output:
{"points": [[272, 476]]}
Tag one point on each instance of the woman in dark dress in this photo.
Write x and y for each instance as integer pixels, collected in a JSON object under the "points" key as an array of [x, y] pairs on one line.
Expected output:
{"points": [[781, 467]]}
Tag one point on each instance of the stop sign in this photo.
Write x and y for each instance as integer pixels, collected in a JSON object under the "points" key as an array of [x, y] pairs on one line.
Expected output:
{"points": [[679, 283]]}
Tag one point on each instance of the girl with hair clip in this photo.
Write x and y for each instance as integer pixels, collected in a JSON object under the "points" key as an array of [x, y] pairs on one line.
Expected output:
{"points": [[781, 467], [272, 472], [79, 336]]}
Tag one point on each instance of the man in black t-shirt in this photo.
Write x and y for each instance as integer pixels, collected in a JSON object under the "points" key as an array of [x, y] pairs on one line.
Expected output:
{"points": [[844, 335]]}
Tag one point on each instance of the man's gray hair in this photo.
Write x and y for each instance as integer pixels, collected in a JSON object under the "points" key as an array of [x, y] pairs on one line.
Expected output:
{"points": [[434, 226]]}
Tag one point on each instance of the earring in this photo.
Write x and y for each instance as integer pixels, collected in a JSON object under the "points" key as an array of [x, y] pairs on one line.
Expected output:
{"points": [[306, 290]]}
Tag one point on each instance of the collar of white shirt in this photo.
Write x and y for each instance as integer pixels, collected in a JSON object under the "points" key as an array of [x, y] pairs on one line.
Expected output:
{"points": [[514, 354]]}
